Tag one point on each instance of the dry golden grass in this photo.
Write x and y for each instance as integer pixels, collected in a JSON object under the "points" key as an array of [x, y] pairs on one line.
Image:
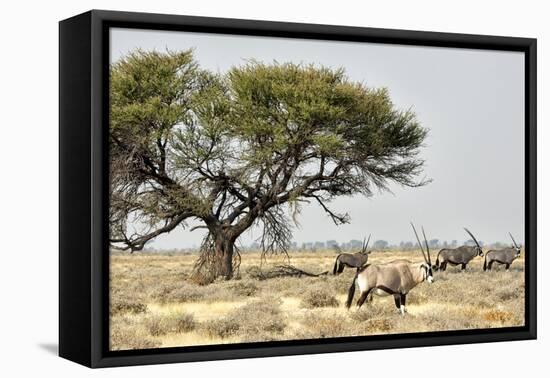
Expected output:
{"points": [[155, 304]]}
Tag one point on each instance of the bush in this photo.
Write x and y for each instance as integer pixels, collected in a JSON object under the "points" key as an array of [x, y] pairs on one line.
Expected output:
{"points": [[255, 321], [156, 325], [321, 326], [185, 292], [497, 316], [125, 334], [379, 325], [128, 339], [329, 327], [506, 293], [244, 289], [319, 298], [121, 306], [372, 310], [184, 323], [159, 325], [223, 328]]}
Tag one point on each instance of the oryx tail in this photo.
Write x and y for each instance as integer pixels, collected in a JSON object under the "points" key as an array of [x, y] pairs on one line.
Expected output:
{"points": [[437, 258], [351, 291], [336, 264]]}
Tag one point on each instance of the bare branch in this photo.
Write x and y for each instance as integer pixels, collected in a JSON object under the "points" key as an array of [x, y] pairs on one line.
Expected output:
{"points": [[136, 243], [338, 219]]}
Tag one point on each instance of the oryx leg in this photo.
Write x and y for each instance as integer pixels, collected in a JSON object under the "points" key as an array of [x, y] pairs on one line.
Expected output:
{"points": [[507, 266], [403, 301], [490, 265], [397, 300], [463, 267], [341, 267], [400, 300], [363, 297], [443, 266]]}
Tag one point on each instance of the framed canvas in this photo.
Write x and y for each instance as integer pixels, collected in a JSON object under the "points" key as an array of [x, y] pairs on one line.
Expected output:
{"points": [[235, 188]]}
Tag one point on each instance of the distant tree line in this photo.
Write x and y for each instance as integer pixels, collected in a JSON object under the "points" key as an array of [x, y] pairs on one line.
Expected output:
{"points": [[351, 245], [379, 244]]}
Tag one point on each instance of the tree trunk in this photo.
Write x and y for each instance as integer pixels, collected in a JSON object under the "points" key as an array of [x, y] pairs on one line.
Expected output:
{"points": [[217, 254], [223, 254]]}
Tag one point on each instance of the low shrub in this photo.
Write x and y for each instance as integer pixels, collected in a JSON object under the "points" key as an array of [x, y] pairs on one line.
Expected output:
{"points": [[257, 320], [378, 325], [184, 292], [121, 307], [244, 289], [129, 339], [126, 334], [497, 316], [322, 326], [315, 298], [225, 327], [159, 325]]}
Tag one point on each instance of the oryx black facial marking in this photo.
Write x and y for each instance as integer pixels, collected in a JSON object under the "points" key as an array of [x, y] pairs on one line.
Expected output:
{"points": [[458, 256], [505, 256], [351, 260], [396, 278]]}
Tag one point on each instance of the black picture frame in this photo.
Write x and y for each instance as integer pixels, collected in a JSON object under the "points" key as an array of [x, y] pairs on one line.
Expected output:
{"points": [[83, 195]]}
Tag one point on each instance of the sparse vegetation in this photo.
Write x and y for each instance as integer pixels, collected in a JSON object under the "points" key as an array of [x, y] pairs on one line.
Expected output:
{"points": [[244, 289], [127, 333], [259, 320], [160, 324], [319, 298], [121, 306], [154, 303]]}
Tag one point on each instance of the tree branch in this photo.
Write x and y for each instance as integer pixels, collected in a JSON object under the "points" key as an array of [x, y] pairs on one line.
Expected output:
{"points": [[338, 219], [138, 243]]}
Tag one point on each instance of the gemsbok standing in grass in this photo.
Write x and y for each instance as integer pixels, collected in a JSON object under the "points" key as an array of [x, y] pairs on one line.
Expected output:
{"points": [[504, 256], [458, 256], [351, 260], [396, 278]]}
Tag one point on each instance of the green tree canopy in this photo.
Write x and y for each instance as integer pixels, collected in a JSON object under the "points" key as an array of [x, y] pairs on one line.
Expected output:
{"points": [[244, 147]]}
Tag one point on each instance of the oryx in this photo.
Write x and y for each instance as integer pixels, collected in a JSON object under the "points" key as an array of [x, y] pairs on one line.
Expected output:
{"points": [[458, 256], [502, 256], [396, 278], [351, 260]]}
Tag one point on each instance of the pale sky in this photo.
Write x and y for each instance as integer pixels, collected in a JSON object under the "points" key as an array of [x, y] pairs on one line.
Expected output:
{"points": [[472, 101]]}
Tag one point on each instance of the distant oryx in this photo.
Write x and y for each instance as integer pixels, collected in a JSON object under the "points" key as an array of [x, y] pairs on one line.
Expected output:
{"points": [[502, 256], [396, 278], [458, 256], [351, 260]]}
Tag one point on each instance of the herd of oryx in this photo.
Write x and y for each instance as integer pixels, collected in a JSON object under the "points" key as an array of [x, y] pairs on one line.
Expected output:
{"points": [[399, 277]]}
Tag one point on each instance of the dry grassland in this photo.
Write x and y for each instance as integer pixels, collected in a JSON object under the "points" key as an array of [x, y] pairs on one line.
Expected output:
{"points": [[154, 304]]}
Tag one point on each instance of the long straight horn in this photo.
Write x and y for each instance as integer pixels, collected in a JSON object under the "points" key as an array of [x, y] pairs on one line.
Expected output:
{"points": [[419, 243], [513, 240], [367, 245], [427, 248], [473, 237]]}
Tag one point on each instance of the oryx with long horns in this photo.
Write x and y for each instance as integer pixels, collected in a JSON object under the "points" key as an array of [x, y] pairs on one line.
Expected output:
{"points": [[504, 256], [396, 278], [458, 256], [351, 260]]}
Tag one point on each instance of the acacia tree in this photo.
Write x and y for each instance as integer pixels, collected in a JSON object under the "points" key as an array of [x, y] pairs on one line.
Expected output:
{"points": [[244, 149]]}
